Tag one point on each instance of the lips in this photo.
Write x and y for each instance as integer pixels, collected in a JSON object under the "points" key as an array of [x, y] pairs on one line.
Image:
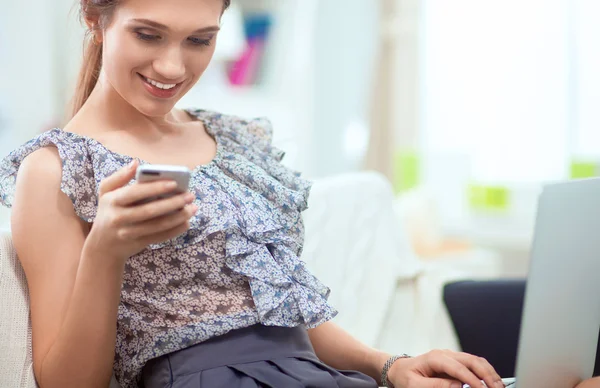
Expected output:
{"points": [[160, 90]]}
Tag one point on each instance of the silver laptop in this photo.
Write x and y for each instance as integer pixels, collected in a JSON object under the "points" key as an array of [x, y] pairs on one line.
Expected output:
{"points": [[561, 315]]}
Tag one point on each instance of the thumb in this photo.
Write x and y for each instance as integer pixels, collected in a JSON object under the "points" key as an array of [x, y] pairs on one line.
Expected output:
{"points": [[430, 382], [119, 179]]}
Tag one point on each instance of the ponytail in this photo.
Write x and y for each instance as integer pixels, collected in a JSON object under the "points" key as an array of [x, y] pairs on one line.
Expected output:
{"points": [[89, 73]]}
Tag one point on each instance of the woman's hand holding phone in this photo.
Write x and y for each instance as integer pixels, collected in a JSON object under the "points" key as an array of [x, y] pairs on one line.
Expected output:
{"points": [[127, 222]]}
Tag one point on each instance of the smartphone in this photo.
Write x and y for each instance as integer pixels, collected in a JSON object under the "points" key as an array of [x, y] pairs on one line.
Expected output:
{"points": [[157, 172]]}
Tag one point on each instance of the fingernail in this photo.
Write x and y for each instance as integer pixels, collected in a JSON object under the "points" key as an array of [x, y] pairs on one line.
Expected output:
{"points": [[456, 385], [132, 163], [499, 384]]}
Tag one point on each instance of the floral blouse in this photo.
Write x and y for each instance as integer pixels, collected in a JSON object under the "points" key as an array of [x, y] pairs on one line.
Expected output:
{"points": [[238, 264]]}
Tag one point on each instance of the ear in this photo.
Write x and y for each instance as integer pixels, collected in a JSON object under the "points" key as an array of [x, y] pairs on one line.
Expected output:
{"points": [[93, 27]]}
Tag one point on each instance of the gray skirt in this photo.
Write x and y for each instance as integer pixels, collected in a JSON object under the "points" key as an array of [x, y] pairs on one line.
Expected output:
{"points": [[257, 356]]}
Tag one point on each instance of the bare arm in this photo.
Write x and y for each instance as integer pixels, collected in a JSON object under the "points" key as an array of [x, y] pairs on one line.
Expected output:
{"points": [[591, 383], [74, 272], [74, 294], [436, 369], [338, 349]]}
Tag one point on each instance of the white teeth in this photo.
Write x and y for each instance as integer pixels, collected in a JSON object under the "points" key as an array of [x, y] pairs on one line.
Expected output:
{"points": [[159, 85]]}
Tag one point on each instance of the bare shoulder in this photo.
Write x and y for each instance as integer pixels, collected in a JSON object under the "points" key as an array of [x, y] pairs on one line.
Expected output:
{"points": [[39, 177], [39, 204], [43, 166], [182, 115], [38, 186]]}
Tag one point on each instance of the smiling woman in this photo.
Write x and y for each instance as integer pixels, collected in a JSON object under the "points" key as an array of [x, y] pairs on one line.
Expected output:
{"points": [[198, 289], [109, 19]]}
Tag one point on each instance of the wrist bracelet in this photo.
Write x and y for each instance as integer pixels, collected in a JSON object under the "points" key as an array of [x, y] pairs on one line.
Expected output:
{"points": [[386, 368]]}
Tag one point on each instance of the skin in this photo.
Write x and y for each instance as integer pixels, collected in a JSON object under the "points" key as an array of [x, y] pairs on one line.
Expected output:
{"points": [[71, 265], [591, 383]]}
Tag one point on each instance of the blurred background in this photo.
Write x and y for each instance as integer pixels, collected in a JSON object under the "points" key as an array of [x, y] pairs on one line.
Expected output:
{"points": [[466, 107]]}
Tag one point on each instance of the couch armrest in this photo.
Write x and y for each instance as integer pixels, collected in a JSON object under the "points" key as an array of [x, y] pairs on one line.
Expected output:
{"points": [[355, 245]]}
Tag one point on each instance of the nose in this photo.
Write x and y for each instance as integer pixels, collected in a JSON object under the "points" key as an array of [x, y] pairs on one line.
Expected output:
{"points": [[170, 64]]}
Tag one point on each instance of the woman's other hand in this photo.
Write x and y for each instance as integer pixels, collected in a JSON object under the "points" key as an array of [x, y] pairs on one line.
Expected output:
{"points": [[443, 369], [123, 227]]}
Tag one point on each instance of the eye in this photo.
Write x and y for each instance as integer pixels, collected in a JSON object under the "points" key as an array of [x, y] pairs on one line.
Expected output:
{"points": [[147, 37], [200, 41]]}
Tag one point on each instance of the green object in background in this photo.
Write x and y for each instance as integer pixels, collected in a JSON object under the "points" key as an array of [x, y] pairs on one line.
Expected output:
{"points": [[406, 170], [489, 198], [581, 169]]}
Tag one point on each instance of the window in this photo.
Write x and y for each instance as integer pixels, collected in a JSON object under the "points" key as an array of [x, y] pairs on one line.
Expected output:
{"points": [[510, 86]]}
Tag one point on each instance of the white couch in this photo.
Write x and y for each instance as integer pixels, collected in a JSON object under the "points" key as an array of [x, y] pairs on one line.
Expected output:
{"points": [[387, 297], [15, 332], [354, 243]]}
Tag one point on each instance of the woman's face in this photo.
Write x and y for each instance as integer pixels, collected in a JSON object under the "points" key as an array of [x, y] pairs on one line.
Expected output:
{"points": [[154, 51]]}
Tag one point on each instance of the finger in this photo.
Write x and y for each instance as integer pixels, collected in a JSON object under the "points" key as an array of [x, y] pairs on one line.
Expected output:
{"points": [[482, 368], [166, 235], [130, 195], [119, 179], [456, 370], [428, 382], [158, 225], [156, 209]]}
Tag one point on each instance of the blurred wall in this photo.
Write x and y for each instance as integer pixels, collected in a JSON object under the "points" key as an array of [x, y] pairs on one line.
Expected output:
{"points": [[27, 68], [345, 53]]}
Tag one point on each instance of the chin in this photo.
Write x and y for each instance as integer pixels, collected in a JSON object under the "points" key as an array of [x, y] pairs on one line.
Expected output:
{"points": [[155, 109]]}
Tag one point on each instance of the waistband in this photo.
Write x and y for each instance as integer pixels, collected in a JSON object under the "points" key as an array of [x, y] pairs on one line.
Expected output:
{"points": [[250, 344]]}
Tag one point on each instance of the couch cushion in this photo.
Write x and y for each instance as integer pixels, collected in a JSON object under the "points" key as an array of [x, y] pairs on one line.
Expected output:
{"points": [[16, 365], [356, 245], [16, 362]]}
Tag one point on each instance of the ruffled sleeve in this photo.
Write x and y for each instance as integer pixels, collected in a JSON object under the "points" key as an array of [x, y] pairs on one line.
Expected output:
{"points": [[78, 181]]}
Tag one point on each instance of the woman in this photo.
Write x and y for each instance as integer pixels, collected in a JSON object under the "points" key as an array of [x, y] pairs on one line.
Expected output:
{"points": [[203, 289]]}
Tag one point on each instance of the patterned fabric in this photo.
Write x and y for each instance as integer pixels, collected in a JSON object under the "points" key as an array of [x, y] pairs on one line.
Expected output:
{"points": [[239, 263]]}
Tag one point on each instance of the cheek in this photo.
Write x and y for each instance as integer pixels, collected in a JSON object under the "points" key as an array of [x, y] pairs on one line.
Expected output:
{"points": [[122, 56], [198, 62]]}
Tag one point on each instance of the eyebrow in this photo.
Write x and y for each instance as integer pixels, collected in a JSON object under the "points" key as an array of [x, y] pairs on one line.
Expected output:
{"points": [[159, 26]]}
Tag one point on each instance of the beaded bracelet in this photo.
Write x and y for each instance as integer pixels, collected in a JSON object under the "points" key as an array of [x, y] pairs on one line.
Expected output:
{"points": [[386, 368]]}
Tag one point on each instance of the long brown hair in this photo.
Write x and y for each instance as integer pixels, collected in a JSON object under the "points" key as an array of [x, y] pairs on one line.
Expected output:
{"points": [[97, 15]]}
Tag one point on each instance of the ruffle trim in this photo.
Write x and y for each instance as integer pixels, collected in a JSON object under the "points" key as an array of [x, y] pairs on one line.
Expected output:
{"points": [[260, 204]]}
